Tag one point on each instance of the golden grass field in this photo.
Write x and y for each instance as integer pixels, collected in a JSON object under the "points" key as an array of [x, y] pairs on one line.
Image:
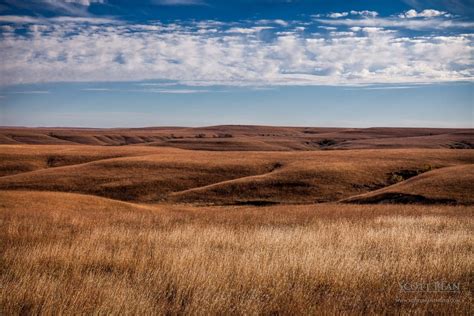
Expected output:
{"points": [[140, 229]]}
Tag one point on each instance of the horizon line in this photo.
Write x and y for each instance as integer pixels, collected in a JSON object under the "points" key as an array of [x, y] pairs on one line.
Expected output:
{"points": [[226, 125]]}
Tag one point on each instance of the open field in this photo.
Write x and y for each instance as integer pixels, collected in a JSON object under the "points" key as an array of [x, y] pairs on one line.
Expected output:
{"points": [[64, 253], [153, 228]]}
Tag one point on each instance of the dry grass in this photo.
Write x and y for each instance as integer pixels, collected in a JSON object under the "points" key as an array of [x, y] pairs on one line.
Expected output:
{"points": [[68, 253], [16, 159], [247, 138], [448, 184], [165, 174]]}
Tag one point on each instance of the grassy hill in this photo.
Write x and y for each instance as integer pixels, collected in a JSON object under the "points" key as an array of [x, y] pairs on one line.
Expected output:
{"points": [[450, 185], [246, 138], [156, 174]]}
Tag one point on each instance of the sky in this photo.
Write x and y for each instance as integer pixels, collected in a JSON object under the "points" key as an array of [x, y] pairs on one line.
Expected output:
{"points": [[119, 63]]}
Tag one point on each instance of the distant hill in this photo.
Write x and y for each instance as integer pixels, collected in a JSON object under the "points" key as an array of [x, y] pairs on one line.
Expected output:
{"points": [[246, 138]]}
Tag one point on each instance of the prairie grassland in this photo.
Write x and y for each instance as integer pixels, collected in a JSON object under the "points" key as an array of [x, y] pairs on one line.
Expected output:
{"points": [[246, 138], [70, 253], [204, 177]]}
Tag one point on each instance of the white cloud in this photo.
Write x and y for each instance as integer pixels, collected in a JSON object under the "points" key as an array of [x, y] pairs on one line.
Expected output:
{"points": [[365, 13], [277, 22], [81, 2], [7, 28], [89, 20], [429, 13], [337, 15], [412, 24], [327, 28], [71, 7], [411, 19], [280, 22], [31, 92], [248, 30], [370, 53], [22, 3], [20, 19]]}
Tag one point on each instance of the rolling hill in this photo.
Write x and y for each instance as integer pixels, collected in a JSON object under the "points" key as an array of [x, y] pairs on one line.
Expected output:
{"points": [[134, 221], [450, 185], [168, 175], [246, 138]]}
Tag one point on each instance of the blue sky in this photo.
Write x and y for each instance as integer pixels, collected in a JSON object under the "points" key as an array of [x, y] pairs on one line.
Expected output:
{"points": [[110, 63]]}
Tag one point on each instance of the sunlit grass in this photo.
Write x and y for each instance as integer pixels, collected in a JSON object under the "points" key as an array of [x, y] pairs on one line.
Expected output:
{"points": [[64, 253]]}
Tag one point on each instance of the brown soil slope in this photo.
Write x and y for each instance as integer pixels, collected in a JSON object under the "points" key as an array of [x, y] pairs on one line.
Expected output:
{"points": [[155, 174], [248, 138]]}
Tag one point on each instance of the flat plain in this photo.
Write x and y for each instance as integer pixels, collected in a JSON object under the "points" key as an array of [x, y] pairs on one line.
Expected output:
{"points": [[236, 220]]}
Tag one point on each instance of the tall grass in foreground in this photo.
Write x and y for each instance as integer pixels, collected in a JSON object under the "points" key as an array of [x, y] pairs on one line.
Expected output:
{"points": [[93, 258]]}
